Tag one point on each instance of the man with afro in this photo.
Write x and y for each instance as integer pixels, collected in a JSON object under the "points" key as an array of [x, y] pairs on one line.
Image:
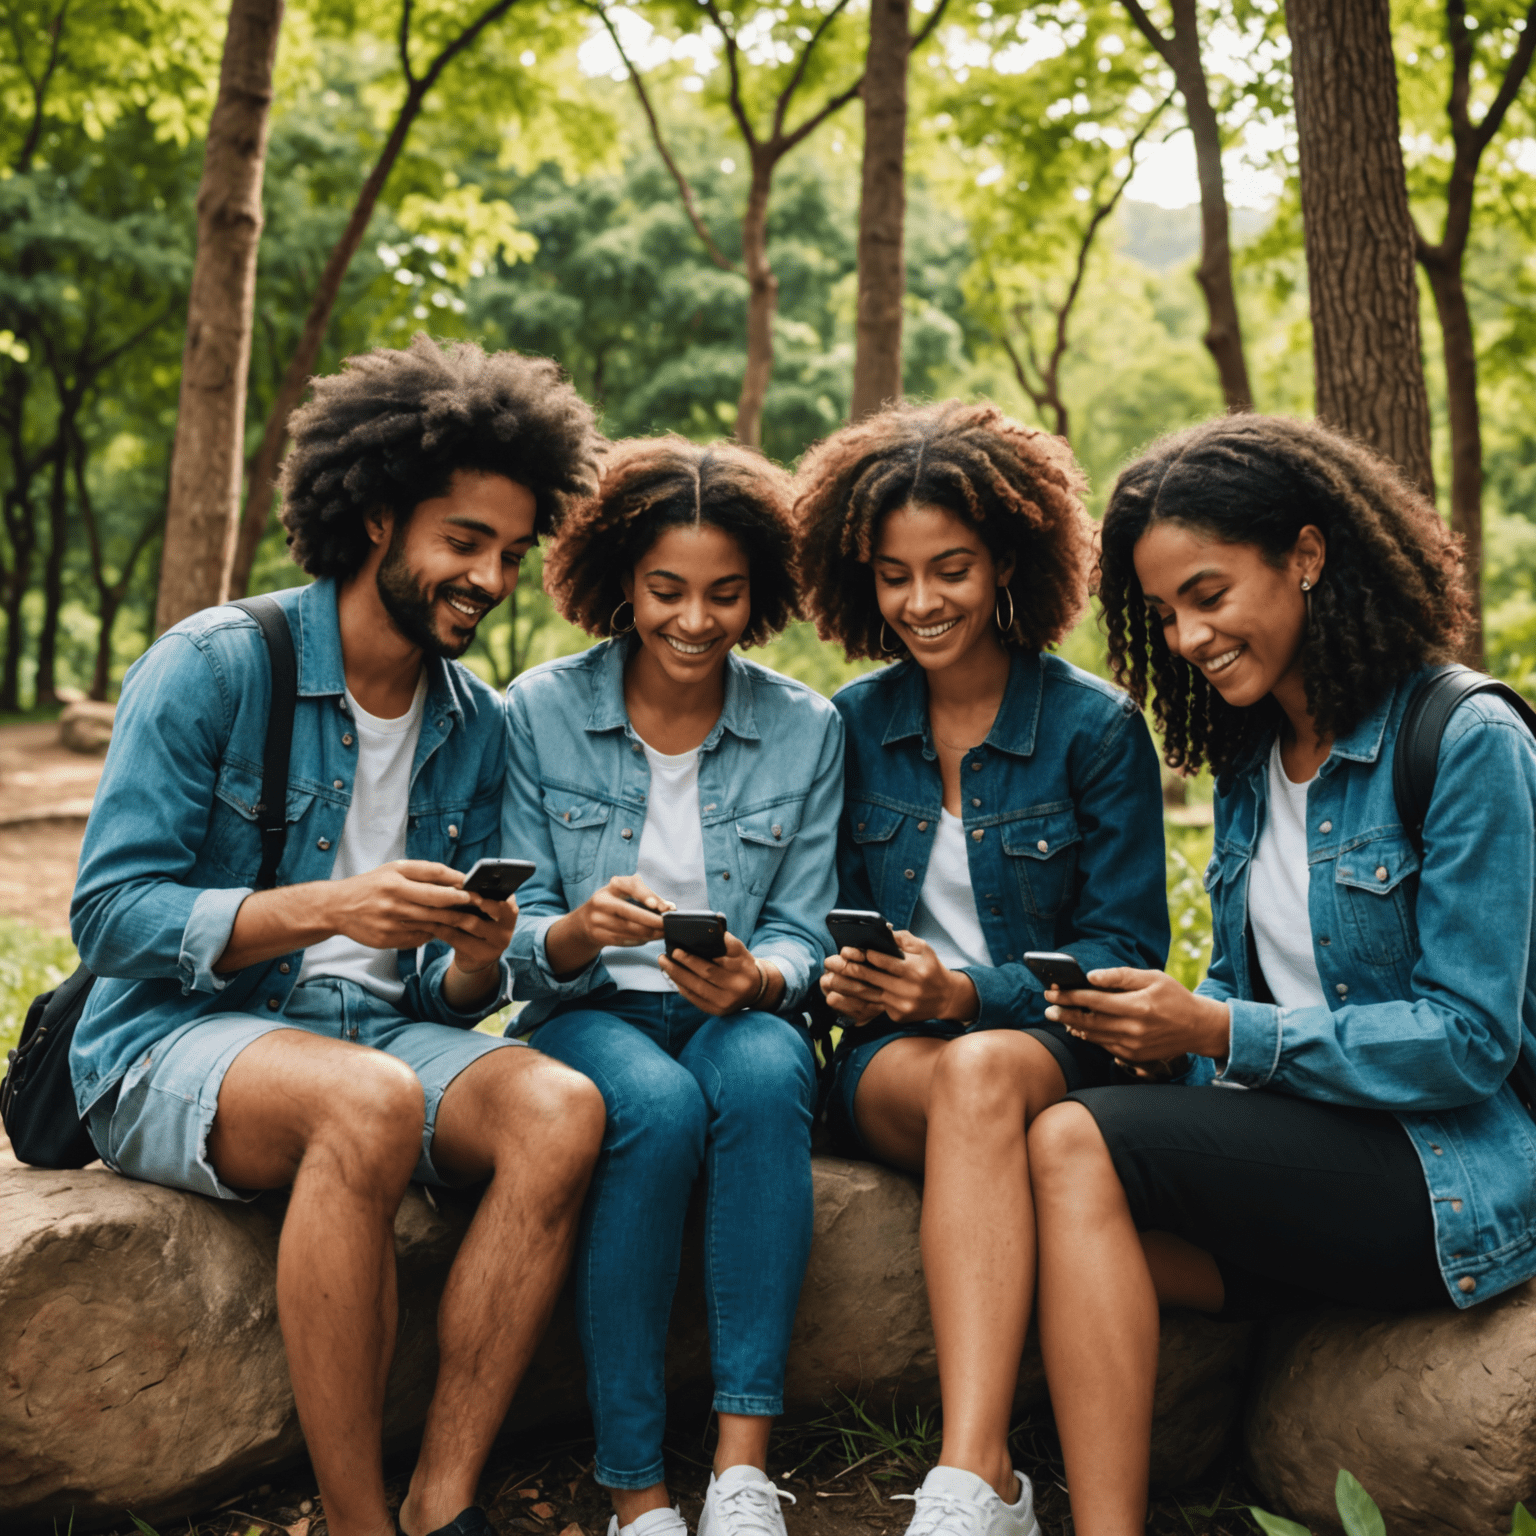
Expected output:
{"points": [[318, 1036]]}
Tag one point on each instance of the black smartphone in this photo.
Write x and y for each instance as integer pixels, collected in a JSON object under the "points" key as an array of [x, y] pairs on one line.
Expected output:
{"points": [[852, 929], [701, 934], [495, 879], [1057, 970]]}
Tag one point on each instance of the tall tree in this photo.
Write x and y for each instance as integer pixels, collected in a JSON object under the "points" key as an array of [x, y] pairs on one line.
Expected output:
{"points": [[883, 204], [1368, 363], [203, 504], [794, 70], [1443, 259], [262, 474], [1181, 51]]}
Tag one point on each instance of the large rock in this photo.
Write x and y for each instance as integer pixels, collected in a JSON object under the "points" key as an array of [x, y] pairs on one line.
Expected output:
{"points": [[86, 725], [1435, 1413], [141, 1365]]}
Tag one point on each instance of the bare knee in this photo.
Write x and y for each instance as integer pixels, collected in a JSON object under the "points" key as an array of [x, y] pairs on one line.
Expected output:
{"points": [[1065, 1146], [370, 1123], [564, 1108], [981, 1080]]}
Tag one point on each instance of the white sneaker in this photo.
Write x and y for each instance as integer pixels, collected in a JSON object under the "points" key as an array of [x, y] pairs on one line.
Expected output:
{"points": [[654, 1522], [956, 1503], [743, 1501]]}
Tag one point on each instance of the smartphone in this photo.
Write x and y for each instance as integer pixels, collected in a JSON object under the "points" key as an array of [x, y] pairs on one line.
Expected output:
{"points": [[1057, 970], [852, 929], [495, 879], [701, 934]]}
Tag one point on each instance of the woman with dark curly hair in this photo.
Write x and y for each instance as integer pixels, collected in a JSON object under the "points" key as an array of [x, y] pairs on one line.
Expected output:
{"points": [[658, 772], [998, 801], [1283, 592]]}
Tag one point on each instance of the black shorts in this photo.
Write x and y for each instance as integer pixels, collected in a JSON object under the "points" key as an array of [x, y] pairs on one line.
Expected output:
{"points": [[1301, 1204]]}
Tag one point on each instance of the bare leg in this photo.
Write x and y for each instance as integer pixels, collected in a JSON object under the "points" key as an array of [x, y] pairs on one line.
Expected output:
{"points": [[342, 1124], [534, 1127], [743, 1442], [1099, 1294], [957, 1110]]}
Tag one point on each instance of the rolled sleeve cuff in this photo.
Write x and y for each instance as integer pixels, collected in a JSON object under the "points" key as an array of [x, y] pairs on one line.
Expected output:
{"points": [[1254, 1054], [462, 1018], [794, 968], [206, 937], [998, 998], [531, 964]]}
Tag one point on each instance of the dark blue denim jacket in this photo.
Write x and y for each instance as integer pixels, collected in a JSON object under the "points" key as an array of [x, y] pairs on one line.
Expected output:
{"points": [[1425, 963], [1063, 812], [172, 847]]}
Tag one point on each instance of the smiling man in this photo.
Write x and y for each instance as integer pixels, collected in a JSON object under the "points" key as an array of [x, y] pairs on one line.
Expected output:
{"points": [[319, 1036]]}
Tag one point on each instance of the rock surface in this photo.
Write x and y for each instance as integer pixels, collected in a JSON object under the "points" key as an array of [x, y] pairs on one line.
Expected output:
{"points": [[86, 726], [1435, 1413], [141, 1365]]}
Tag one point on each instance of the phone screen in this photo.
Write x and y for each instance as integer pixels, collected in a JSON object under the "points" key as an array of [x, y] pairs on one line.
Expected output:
{"points": [[868, 931]]}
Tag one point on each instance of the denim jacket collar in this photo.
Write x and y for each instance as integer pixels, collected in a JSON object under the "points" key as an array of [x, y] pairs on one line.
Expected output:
{"points": [[1018, 716], [322, 674], [1361, 745], [610, 714]]}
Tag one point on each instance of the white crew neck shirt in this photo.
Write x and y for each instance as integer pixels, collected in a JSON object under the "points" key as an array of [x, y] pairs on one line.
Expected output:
{"points": [[671, 862], [1277, 895], [373, 834], [946, 918]]}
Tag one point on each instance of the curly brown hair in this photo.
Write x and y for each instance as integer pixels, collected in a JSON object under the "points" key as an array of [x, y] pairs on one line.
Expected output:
{"points": [[1390, 598], [1017, 486], [650, 484], [395, 424]]}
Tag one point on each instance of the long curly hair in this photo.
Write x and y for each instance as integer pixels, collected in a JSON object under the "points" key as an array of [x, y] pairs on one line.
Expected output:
{"points": [[1390, 597], [1018, 487], [651, 484], [392, 428]]}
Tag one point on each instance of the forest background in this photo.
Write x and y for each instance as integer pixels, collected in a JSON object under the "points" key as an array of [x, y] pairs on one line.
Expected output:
{"points": [[628, 190]]}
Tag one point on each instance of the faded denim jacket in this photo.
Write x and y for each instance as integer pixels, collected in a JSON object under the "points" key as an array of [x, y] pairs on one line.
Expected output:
{"points": [[1063, 814], [172, 847], [770, 788], [1425, 963]]}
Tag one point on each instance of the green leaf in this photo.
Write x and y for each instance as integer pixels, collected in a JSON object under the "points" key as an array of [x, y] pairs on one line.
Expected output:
{"points": [[1276, 1525], [1357, 1509], [1522, 1522], [144, 1530]]}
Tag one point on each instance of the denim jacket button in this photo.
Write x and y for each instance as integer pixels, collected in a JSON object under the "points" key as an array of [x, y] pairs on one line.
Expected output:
{"points": [[975, 801], [1381, 871], [1325, 941], [274, 1004], [725, 874], [1327, 826], [922, 826], [338, 784], [1043, 846], [627, 833], [323, 843], [777, 831], [1438, 1151], [997, 911], [862, 826], [1342, 989], [976, 767], [1466, 1284], [910, 874], [453, 831], [976, 836], [285, 967], [346, 740]]}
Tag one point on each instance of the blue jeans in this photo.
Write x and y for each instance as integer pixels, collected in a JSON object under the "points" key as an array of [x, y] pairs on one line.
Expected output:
{"points": [[684, 1091]]}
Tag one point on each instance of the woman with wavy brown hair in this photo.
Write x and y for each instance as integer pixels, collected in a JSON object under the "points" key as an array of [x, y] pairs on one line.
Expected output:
{"points": [[1279, 593], [659, 771], [997, 800]]}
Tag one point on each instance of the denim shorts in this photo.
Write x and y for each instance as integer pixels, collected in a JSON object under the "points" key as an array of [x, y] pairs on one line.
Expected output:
{"points": [[154, 1125], [1082, 1065]]}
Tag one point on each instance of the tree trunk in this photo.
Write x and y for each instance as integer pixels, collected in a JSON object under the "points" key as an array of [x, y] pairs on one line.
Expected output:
{"points": [[45, 684], [882, 211], [209, 449], [762, 302], [1223, 336], [21, 527], [1367, 360]]}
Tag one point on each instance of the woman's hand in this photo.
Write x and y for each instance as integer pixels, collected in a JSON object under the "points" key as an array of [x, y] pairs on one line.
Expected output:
{"points": [[736, 980], [908, 990], [1143, 1016], [625, 912], [856, 1003]]}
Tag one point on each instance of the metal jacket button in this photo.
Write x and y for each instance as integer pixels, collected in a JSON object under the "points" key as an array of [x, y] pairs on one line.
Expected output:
{"points": [[976, 836], [861, 826], [1327, 826], [1438, 1151], [273, 1004], [337, 784], [725, 874], [323, 844], [453, 831], [777, 831], [974, 801], [1342, 989], [976, 767], [910, 874], [627, 833], [1466, 1284], [1456, 1206], [1325, 941], [922, 826], [1381, 871], [1043, 846], [346, 740], [285, 967]]}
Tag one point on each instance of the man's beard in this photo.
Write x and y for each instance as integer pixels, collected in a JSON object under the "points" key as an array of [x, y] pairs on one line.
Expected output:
{"points": [[411, 607]]}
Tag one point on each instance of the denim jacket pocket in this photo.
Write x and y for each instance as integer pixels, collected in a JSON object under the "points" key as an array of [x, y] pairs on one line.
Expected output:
{"points": [[234, 840], [1044, 850], [873, 829], [576, 830], [1374, 898], [764, 837]]}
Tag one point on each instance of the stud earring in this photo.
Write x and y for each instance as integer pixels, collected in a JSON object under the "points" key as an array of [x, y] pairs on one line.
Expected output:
{"points": [[1306, 586]]}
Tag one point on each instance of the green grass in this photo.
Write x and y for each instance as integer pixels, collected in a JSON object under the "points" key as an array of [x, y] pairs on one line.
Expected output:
{"points": [[31, 961]]}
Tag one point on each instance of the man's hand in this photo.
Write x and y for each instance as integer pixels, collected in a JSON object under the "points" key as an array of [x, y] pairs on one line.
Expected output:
{"points": [[1143, 1016], [734, 981], [625, 912], [908, 990]]}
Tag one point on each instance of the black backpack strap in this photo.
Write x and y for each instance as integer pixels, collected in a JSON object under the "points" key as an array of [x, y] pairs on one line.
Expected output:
{"points": [[272, 812], [1416, 758]]}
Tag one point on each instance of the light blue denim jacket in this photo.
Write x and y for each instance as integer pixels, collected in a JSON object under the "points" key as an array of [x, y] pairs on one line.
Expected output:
{"points": [[172, 847], [1426, 965], [770, 789]]}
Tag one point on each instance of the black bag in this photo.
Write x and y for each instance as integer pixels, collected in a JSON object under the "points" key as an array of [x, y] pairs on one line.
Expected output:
{"points": [[37, 1095]]}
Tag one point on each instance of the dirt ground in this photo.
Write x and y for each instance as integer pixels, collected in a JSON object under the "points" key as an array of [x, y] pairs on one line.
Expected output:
{"points": [[45, 794]]}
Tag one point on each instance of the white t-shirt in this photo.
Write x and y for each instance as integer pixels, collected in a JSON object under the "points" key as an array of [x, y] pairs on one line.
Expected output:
{"points": [[373, 834], [671, 862], [946, 917], [1277, 895]]}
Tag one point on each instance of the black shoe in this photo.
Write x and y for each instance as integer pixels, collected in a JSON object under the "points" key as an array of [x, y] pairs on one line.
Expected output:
{"points": [[468, 1522]]}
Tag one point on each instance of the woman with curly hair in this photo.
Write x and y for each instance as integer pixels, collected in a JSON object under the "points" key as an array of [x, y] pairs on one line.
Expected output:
{"points": [[658, 771], [997, 801], [1280, 592]]}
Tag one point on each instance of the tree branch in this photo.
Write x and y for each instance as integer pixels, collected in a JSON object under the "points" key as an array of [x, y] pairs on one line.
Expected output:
{"points": [[738, 110], [816, 119], [1150, 30], [404, 44], [781, 106], [39, 86], [924, 32], [1514, 77]]}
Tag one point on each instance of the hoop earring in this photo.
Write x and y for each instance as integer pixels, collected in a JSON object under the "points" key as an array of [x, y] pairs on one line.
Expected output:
{"points": [[889, 650], [1008, 593], [613, 618]]}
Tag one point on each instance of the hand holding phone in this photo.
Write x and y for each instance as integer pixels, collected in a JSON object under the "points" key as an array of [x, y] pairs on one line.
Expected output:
{"points": [[701, 934], [1059, 970], [495, 879], [869, 931]]}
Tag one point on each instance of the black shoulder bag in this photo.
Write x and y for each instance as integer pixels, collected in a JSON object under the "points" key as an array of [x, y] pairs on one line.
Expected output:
{"points": [[37, 1095]]}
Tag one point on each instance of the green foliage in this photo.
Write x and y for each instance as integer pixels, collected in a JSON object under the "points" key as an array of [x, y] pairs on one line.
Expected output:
{"points": [[31, 961], [1189, 908], [1359, 1515], [1522, 1522]]}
